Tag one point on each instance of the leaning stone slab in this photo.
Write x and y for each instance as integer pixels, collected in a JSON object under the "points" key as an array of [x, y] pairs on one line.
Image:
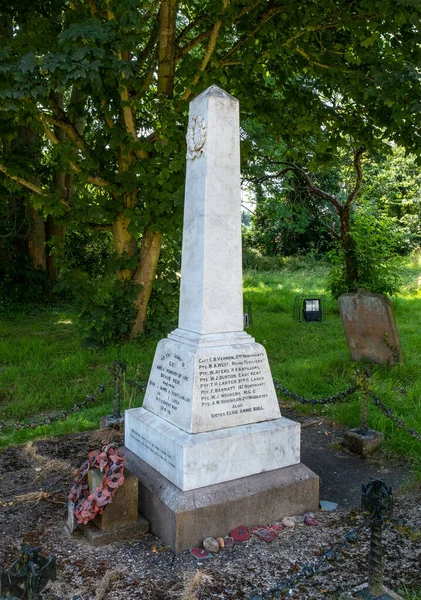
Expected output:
{"points": [[370, 327]]}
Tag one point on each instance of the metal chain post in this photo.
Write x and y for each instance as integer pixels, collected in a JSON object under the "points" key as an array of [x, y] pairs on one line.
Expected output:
{"points": [[117, 371], [378, 501], [363, 383]]}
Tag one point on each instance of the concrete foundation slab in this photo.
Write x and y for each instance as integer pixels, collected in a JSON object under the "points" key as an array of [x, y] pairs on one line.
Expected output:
{"points": [[184, 519]]}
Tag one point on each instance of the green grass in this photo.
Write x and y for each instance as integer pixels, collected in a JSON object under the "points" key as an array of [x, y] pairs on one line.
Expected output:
{"points": [[44, 367], [312, 359]]}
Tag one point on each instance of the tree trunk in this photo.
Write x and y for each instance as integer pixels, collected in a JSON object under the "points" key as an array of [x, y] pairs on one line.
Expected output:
{"points": [[347, 244], [145, 276], [55, 245], [36, 238]]}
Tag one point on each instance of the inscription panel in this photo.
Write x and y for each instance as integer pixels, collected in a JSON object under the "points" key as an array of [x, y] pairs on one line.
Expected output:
{"points": [[206, 389], [170, 384], [233, 385], [146, 445]]}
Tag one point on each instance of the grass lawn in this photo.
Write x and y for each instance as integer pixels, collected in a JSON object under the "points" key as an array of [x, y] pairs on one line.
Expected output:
{"points": [[44, 368]]}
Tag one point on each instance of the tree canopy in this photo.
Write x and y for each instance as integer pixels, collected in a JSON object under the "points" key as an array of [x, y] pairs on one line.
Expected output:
{"points": [[94, 97]]}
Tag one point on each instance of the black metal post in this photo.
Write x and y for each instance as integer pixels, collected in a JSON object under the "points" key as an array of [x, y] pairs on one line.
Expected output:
{"points": [[377, 500], [363, 383], [117, 371]]}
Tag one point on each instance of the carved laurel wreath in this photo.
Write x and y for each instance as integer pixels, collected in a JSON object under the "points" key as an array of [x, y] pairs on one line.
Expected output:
{"points": [[195, 137], [87, 506]]}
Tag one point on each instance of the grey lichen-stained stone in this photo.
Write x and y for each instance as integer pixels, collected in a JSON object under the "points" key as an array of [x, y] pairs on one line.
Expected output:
{"points": [[370, 327], [362, 442]]}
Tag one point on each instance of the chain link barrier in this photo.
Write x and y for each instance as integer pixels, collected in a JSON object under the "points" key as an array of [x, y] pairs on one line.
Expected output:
{"points": [[285, 586], [341, 397], [118, 373], [141, 385], [361, 386], [389, 413], [61, 416]]}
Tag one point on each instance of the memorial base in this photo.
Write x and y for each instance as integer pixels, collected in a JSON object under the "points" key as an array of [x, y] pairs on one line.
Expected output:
{"points": [[184, 519], [204, 459]]}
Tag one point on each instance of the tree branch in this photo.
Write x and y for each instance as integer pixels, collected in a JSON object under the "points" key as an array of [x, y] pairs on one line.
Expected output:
{"points": [[312, 62], [93, 179], [359, 177], [99, 227], [209, 51], [22, 181], [266, 15], [193, 42]]}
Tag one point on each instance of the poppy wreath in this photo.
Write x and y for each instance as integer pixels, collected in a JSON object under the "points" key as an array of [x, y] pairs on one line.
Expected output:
{"points": [[111, 463]]}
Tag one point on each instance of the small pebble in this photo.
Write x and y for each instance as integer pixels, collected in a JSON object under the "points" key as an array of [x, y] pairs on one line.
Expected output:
{"points": [[299, 519], [308, 514], [228, 541], [211, 545], [221, 542], [288, 522], [310, 521], [240, 534], [327, 505], [200, 553]]}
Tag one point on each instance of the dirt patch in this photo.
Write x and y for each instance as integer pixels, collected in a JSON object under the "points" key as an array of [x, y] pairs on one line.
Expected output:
{"points": [[34, 481]]}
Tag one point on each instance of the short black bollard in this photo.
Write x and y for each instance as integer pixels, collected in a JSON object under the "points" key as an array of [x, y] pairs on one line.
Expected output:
{"points": [[363, 440], [378, 501]]}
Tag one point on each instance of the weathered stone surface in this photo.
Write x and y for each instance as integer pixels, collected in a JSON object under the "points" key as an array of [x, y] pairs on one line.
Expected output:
{"points": [[288, 522], [200, 388], [195, 461], [210, 413], [181, 519], [101, 537], [123, 510], [370, 327], [361, 442]]}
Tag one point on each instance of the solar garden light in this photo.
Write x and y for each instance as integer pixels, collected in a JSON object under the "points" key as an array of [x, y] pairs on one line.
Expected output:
{"points": [[312, 309], [309, 308]]}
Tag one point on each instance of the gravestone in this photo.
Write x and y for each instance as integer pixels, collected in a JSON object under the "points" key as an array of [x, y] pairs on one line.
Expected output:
{"points": [[210, 421], [370, 327]]}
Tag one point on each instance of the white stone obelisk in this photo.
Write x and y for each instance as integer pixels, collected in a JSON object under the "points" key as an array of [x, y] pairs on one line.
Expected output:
{"points": [[210, 385]]}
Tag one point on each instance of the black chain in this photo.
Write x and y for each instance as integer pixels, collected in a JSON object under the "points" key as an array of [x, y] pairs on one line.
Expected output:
{"points": [[329, 400], [141, 385], [61, 416], [313, 568], [389, 413]]}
